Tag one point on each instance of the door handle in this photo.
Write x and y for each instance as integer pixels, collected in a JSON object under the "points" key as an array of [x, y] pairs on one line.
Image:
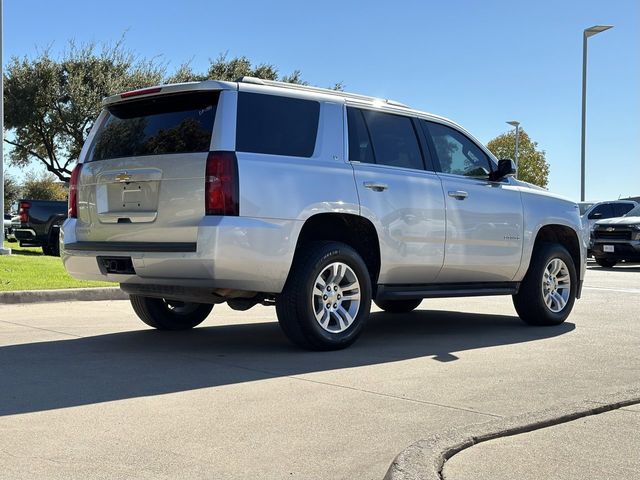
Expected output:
{"points": [[376, 187], [459, 194]]}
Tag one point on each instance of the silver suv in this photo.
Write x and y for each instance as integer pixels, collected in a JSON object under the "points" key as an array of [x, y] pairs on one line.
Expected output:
{"points": [[312, 200]]}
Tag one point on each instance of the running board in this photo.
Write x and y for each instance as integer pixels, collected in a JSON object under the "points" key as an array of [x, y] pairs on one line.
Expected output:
{"points": [[402, 292]]}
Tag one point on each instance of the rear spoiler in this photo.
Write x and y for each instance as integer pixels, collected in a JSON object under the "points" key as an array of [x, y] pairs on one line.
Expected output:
{"points": [[168, 89]]}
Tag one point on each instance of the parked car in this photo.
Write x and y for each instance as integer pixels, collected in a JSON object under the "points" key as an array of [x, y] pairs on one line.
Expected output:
{"points": [[312, 200], [617, 239], [6, 225], [602, 211], [40, 222]]}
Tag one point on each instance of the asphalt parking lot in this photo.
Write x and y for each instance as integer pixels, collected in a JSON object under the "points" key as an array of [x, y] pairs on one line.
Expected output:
{"points": [[86, 390]]}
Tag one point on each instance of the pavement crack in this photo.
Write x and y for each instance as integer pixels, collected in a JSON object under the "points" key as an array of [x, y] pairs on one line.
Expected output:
{"points": [[336, 385], [43, 329], [396, 397]]}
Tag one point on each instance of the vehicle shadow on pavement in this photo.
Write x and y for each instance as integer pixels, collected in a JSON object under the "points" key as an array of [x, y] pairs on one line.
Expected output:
{"points": [[65, 373]]}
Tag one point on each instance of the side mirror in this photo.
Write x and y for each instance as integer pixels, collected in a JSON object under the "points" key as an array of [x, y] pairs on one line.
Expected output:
{"points": [[506, 168]]}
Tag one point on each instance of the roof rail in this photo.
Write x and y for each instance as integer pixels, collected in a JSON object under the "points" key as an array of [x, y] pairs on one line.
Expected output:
{"points": [[307, 88]]}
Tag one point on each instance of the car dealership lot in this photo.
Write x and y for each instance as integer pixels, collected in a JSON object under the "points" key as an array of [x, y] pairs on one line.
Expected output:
{"points": [[87, 391]]}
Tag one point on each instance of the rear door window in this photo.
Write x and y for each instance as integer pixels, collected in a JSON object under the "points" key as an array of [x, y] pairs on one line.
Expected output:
{"points": [[276, 125], [621, 209], [393, 139], [180, 123]]}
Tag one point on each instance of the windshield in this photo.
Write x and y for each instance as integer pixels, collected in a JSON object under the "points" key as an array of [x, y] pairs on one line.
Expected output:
{"points": [[634, 212]]}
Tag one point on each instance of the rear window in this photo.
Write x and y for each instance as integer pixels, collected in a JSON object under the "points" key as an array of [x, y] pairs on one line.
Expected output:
{"points": [[181, 123], [276, 125]]}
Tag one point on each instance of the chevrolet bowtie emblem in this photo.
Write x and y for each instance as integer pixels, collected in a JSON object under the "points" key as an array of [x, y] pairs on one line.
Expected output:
{"points": [[123, 177]]}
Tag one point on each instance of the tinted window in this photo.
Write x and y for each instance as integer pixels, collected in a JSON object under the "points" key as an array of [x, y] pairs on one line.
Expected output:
{"points": [[621, 209], [634, 212], [394, 140], [167, 124], [456, 153], [605, 210], [360, 149], [276, 125]]}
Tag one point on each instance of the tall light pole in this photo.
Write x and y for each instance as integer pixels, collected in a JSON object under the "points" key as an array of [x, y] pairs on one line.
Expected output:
{"points": [[588, 32], [516, 124], [3, 251]]}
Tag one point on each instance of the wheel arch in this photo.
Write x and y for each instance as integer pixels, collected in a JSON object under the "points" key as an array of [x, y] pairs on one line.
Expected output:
{"points": [[354, 230], [568, 238]]}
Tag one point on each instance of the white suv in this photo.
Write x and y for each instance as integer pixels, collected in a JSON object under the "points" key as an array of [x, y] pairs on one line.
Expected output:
{"points": [[312, 200]]}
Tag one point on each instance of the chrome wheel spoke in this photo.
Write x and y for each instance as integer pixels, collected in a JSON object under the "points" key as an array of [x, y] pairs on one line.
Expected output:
{"points": [[556, 285], [335, 297], [324, 319], [345, 318], [352, 295], [339, 320]]}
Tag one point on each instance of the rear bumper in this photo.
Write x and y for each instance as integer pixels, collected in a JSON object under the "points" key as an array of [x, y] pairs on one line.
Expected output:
{"points": [[28, 237], [237, 253]]}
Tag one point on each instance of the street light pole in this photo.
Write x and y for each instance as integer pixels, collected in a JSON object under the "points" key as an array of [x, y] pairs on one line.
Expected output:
{"points": [[3, 251], [516, 124], [588, 32]]}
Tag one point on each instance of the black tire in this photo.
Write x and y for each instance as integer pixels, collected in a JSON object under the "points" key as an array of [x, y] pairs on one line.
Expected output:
{"points": [[54, 242], [168, 314], [529, 301], [605, 262], [398, 306], [295, 305], [53, 248]]}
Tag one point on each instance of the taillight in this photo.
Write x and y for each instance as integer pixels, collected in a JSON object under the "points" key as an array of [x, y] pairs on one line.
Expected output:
{"points": [[221, 184], [73, 191], [23, 211]]}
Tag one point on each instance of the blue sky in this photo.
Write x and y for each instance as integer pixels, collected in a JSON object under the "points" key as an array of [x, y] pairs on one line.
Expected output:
{"points": [[479, 63]]}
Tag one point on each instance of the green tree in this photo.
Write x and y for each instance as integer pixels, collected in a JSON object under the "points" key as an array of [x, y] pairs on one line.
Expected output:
{"points": [[51, 104], [231, 70], [43, 186], [532, 163], [11, 192]]}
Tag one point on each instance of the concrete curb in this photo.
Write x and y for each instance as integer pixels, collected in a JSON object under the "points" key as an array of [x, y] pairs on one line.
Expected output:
{"points": [[425, 459], [63, 295]]}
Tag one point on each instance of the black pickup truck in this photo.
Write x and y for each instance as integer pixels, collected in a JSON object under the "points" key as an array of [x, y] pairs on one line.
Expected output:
{"points": [[39, 226]]}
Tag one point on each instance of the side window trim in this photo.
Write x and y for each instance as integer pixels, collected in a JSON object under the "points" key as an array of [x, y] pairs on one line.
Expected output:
{"points": [[425, 151], [366, 127], [432, 147], [357, 112]]}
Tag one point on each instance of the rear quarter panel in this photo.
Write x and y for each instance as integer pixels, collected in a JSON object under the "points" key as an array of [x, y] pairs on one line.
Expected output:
{"points": [[295, 188]]}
